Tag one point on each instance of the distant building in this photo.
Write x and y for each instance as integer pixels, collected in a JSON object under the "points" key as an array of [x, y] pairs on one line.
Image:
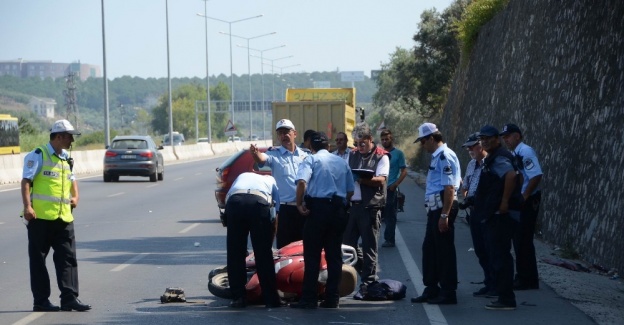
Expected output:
{"points": [[43, 107], [44, 69]]}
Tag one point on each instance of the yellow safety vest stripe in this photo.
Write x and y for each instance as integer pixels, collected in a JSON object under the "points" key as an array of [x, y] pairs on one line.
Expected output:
{"points": [[51, 190]]}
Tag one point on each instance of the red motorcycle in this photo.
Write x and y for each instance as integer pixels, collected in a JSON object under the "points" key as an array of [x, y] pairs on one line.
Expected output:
{"points": [[289, 269]]}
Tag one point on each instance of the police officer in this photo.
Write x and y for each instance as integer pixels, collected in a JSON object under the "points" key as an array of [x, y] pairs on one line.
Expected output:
{"points": [[497, 201], [328, 182], [284, 162], [478, 229], [443, 180], [366, 203], [526, 264], [49, 194], [248, 211], [396, 174]]}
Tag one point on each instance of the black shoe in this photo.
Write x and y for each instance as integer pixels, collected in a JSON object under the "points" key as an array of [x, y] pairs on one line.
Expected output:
{"points": [[497, 305], [46, 306], [442, 300], [277, 304], [422, 298], [76, 305], [328, 304], [304, 305], [481, 292], [491, 294], [238, 303], [387, 244]]}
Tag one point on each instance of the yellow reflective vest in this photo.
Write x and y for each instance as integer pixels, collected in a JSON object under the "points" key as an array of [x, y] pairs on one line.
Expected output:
{"points": [[51, 188]]}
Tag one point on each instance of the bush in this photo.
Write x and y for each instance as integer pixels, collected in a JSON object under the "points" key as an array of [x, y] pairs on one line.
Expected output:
{"points": [[477, 14]]}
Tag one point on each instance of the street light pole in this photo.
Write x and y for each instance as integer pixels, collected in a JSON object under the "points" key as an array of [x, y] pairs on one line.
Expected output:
{"points": [[262, 78], [169, 81], [106, 117], [282, 70], [231, 64], [249, 70], [207, 71], [273, 73]]}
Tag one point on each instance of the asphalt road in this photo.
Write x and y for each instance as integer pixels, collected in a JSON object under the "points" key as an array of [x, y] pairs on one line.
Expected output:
{"points": [[136, 238]]}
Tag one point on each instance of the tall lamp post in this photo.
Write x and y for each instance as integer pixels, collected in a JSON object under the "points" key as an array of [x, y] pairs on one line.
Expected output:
{"points": [[169, 81], [262, 78], [205, 15], [231, 64], [106, 117], [273, 73], [290, 66]]}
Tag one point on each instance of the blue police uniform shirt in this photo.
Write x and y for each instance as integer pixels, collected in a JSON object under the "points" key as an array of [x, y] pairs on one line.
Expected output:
{"points": [[284, 166], [443, 171], [326, 175], [500, 167], [252, 181], [530, 165], [34, 160], [397, 162]]}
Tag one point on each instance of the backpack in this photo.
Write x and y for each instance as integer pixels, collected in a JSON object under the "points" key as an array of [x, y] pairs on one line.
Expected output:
{"points": [[383, 290]]}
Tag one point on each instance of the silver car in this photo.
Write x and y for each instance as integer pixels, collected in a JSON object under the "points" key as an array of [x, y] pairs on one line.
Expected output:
{"points": [[133, 155]]}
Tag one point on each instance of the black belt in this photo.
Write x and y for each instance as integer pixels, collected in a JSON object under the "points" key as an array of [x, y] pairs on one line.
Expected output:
{"points": [[356, 202]]}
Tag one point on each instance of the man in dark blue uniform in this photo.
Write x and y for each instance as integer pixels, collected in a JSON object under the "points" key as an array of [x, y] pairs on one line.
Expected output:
{"points": [[327, 181], [439, 261], [497, 201]]}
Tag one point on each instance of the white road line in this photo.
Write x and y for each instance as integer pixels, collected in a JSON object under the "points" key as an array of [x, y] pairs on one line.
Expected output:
{"points": [[28, 319], [153, 185], [433, 311], [129, 262], [199, 173], [185, 230], [117, 194], [179, 178], [9, 189]]}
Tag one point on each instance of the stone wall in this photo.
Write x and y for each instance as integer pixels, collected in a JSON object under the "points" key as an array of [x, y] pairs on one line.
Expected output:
{"points": [[556, 69]]}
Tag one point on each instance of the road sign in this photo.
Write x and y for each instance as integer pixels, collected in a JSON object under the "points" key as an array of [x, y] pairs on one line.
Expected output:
{"points": [[351, 76], [230, 129]]}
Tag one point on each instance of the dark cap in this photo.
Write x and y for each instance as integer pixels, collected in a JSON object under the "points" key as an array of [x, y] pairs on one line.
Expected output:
{"points": [[488, 131], [510, 128], [472, 140], [318, 141]]}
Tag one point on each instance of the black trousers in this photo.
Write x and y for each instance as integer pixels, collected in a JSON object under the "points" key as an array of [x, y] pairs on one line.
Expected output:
{"points": [[481, 239], [439, 262], [58, 235], [289, 226], [323, 230], [526, 262], [248, 214], [502, 228]]}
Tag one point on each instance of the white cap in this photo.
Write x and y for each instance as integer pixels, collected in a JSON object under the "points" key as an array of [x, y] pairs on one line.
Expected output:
{"points": [[61, 126], [425, 130], [284, 123]]}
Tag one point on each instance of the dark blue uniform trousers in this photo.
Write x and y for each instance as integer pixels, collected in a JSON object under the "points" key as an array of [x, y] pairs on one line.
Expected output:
{"points": [[439, 262]]}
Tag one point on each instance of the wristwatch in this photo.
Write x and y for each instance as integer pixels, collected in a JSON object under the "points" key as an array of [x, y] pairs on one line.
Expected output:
{"points": [[444, 216]]}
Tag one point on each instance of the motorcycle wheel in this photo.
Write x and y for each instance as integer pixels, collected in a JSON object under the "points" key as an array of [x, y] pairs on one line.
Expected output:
{"points": [[219, 284]]}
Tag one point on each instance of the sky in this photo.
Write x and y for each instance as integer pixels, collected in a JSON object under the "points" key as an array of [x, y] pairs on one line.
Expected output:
{"points": [[320, 35]]}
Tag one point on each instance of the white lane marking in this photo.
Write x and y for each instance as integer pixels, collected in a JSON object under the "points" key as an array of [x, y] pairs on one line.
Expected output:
{"points": [[1, 223], [117, 194], [433, 311], [9, 189], [199, 173], [179, 178], [185, 230], [129, 262], [28, 319], [148, 186]]}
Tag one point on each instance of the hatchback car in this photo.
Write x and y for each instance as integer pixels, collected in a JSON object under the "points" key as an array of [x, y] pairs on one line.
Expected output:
{"points": [[133, 155], [237, 164]]}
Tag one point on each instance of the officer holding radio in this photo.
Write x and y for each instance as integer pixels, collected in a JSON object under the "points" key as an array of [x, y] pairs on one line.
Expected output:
{"points": [[439, 262]]}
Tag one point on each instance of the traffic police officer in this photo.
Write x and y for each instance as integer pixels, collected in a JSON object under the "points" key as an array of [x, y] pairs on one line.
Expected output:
{"points": [[328, 182], [526, 264], [248, 211], [443, 180], [284, 162], [49, 194], [497, 201]]}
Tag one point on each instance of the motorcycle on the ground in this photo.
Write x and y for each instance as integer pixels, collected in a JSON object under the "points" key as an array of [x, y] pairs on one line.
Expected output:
{"points": [[289, 268]]}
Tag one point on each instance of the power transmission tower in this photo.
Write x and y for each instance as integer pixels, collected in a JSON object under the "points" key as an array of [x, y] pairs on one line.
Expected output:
{"points": [[70, 99]]}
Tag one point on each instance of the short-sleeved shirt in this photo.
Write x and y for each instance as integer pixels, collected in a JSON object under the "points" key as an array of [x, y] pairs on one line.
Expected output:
{"points": [[397, 163], [326, 175], [34, 160], [530, 165], [344, 156], [471, 180], [383, 167], [252, 181], [284, 165], [444, 170]]}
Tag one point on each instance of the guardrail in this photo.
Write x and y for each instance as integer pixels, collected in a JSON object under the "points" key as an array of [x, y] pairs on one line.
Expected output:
{"points": [[91, 161]]}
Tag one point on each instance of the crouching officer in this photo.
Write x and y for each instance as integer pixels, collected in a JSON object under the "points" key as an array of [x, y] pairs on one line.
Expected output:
{"points": [[248, 210], [329, 184]]}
